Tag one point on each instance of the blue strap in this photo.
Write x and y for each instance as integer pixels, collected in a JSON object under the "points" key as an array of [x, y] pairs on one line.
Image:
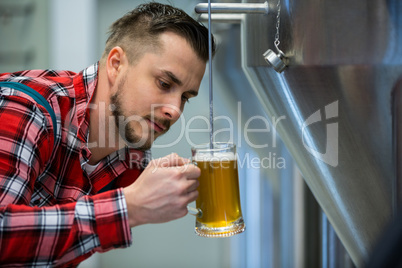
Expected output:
{"points": [[37, 97]]}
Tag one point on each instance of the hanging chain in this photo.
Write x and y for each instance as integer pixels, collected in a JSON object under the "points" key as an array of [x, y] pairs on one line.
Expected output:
{"points": [[278, 22]]}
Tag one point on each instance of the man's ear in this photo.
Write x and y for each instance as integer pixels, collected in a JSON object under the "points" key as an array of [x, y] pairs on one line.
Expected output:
{"points": [[115, 63]]}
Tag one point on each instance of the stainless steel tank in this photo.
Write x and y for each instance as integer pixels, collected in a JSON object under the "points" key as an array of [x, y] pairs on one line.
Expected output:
{"points": [[344, 60]]}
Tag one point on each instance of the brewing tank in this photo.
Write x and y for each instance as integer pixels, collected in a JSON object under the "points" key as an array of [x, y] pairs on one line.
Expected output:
{"points": [[334, 98]]}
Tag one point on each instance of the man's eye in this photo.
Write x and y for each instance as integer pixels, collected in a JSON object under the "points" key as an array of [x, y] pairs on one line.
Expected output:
{"points": [[185, 99], [164, 84]]}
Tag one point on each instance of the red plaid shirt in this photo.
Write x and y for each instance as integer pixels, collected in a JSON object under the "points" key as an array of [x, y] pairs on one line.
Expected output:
{"points": [[51, 213]]}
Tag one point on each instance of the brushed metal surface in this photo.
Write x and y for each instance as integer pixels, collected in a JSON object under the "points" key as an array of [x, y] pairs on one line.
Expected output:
{"points": [[344, 56]]}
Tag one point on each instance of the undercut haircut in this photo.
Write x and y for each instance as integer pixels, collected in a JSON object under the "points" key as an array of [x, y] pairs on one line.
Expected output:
{"points": [[137, 32]]}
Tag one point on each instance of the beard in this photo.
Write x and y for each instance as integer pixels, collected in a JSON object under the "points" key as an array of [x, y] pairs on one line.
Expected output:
{"points": [[124, 124]]}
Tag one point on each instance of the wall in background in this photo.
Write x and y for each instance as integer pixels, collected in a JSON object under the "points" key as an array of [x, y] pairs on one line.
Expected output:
{"points": [[24, 35]]}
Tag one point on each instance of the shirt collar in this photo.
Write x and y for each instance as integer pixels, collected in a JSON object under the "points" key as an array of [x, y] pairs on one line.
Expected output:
{"points": [[85, 83]]}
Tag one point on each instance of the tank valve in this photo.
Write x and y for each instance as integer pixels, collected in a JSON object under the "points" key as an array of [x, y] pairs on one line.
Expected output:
{"points": [[275, 60]]}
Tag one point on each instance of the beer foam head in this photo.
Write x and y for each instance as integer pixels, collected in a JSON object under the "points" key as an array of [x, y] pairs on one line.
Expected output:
{"points": [[209, 157]]}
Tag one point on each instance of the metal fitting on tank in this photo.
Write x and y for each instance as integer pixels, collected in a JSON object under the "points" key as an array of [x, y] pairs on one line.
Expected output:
{"points": [[275, 60]]}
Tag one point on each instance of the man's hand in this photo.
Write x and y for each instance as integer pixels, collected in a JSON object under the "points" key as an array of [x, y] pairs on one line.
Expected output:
{"points": [[163, 191]]}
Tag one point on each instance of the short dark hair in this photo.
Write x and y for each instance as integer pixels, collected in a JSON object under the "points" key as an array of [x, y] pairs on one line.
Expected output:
{"points": [[138, 30]]}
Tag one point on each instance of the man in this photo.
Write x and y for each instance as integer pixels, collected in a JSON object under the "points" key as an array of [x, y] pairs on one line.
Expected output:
{"points": [[53, 211]]}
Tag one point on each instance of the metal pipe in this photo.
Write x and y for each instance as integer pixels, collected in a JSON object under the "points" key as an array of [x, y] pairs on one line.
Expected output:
{"points": [[260, 8], [226, 18], [397, 146]]}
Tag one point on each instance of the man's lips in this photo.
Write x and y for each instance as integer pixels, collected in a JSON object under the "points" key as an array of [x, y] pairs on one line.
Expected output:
{"points": [[158, 127]]}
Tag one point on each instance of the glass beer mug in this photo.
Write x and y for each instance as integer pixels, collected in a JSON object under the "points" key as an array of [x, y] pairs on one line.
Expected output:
{"points": [[218, 212]]}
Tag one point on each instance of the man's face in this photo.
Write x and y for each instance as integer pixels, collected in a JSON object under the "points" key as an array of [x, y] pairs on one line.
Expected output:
{"points": [[151, 94]]}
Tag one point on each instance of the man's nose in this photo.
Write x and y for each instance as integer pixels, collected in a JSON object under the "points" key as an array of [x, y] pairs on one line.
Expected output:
{"points": [[171, 112]]}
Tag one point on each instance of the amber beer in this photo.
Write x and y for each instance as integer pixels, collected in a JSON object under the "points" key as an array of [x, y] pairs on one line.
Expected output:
{"points": [[219, 196]]}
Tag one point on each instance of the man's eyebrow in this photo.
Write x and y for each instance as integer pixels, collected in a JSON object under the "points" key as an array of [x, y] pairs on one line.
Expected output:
{"points": [[179, 82], [193, 93], [173, 78]]}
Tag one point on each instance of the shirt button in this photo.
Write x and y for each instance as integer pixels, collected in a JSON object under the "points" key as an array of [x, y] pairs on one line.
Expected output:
{"points": [[37, 201]]}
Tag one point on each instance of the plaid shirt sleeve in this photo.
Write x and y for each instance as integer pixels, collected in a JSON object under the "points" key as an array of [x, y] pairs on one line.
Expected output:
{"points": [[60, 235]]}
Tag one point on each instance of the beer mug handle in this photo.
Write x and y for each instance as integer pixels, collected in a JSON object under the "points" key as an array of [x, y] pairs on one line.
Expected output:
{"points": [[194, 211]]}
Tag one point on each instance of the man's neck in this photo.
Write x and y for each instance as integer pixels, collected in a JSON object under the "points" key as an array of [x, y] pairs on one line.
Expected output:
{"points": [[103, 138]]}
